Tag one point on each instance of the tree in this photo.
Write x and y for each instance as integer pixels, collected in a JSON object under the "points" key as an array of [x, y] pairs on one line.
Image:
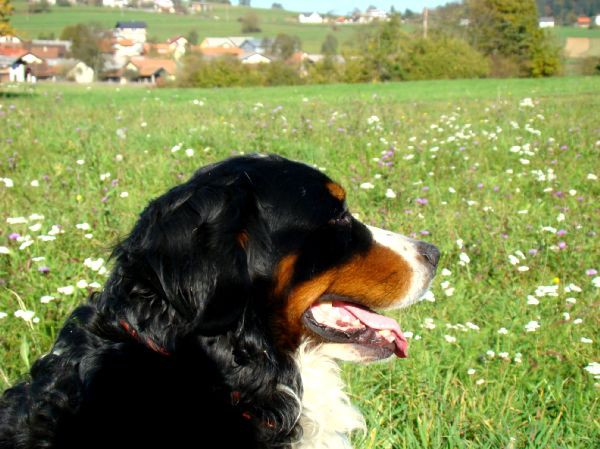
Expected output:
{"points": [[192, 37], [6, 10], [284, 46], [330, 46], [508, 31], [276, 6], [250, 23], [245, 3], [86, 43]]}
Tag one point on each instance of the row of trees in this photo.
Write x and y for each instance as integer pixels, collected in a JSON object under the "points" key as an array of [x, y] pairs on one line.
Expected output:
{"points": [[566, 11]]}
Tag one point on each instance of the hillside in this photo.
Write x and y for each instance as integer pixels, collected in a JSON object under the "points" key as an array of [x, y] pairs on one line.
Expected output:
{"points": [[222, 22]]}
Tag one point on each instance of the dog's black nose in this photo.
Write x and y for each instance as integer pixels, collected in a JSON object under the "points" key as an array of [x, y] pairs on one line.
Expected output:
{"points": [[429, 252]]}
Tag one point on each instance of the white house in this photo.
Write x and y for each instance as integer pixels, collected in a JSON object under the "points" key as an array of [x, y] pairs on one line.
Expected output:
{"points": [[115, 3], [376, 14], [81, 73], [315, 17], [164, 6], [134, 31], [177, 46], [597, 20], [255, 58], [9, 39], [547, 22]]}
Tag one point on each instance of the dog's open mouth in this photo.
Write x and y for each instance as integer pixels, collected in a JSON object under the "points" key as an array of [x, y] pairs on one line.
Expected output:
{"points": [[340, 321]]}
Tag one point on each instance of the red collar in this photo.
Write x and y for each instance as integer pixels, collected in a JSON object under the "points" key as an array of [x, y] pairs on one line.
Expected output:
{"points": [[148, 342]]}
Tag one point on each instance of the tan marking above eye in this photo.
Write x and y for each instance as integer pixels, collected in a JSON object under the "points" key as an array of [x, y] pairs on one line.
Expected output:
{"points": [[242, 239], [336, 190]]}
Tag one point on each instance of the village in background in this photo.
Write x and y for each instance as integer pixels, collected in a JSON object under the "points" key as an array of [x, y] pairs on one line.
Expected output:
{"points": [[125, 54]]}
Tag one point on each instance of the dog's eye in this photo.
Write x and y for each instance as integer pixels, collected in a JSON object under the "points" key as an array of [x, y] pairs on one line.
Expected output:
{"points": [[343, 220]]}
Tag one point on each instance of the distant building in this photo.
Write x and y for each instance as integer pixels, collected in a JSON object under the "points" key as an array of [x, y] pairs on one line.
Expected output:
{"points": [[375, 14], [115, 3], [164, 6], [81, 73], [255, 58], [133, 31], [199, 7], [314, 17], [9, 39], [150, 70], [583, 22], [218, 42], [547, 22], [597, 20]]}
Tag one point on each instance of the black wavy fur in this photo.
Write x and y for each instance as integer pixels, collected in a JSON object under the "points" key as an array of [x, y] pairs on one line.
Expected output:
{"points": [[179, 349]]}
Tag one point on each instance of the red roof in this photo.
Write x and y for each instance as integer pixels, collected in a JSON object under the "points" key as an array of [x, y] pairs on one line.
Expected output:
{"points": [[149, 66], [12, 50], [221, 51], [584, 20]]}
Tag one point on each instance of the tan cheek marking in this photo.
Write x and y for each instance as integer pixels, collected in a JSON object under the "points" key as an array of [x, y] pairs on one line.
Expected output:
{"points": [[336, 190], [377, 279]]}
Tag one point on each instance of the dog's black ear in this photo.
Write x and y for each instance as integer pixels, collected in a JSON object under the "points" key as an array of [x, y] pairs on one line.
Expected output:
{"points": [[184, 267]]}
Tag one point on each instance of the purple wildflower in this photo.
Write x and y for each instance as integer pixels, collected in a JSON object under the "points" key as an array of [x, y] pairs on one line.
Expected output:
{"points": [[14, 236], [562, 245], [44, 270], [591, 272], [561, 232], [421, 201]]}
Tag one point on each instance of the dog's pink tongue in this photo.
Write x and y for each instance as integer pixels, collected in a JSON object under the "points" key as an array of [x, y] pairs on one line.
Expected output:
{"points": [[379, 322]]}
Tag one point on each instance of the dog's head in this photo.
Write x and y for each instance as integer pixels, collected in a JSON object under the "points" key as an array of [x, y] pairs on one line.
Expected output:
{"points": [[274, 236], [264, 251]]}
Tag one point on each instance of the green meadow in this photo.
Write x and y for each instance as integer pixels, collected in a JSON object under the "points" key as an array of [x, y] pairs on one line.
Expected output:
{"points": [[502, 175]]}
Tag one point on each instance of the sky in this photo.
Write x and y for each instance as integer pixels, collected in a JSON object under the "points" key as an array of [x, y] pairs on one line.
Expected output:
{"points": [[343, 7]]}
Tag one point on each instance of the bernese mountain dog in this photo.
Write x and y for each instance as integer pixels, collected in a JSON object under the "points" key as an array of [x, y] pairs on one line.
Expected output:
{"points": [[221, 320]]}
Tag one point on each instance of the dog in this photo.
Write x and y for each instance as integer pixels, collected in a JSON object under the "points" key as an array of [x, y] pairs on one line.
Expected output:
{"points": [[221, 321]]}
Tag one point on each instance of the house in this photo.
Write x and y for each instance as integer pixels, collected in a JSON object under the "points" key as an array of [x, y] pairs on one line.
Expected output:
{"points": [[217, 42], [126, 48], [45, 48], [133, 31], [220, 52], [81, 73], [314, 17], [200, 7], [8, 68], [253, 45], [115, 3], [583, 22], [546, 22], [597, 20], [21, 68], [342, 20], [9, 39], [164, 6], [373, 13], [255, 58], [150, 70], [177, 46]]}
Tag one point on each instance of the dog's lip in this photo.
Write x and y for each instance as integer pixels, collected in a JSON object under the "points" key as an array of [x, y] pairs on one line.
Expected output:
{"points": [[357, 324]]}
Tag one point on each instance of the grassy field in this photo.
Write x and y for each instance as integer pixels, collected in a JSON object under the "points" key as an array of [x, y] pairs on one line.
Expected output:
{"points": [[501, 175], [223, 21]]}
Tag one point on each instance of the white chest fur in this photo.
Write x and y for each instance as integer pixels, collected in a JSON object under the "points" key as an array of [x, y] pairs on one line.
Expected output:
{"points": [[328, 417]]}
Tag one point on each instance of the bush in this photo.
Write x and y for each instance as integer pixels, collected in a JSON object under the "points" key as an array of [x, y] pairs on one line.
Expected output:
{"points": [[442, 57]]}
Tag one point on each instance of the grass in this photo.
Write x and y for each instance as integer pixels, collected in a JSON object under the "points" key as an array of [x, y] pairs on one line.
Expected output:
{"points": [[450, 144], [164, 26]]}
